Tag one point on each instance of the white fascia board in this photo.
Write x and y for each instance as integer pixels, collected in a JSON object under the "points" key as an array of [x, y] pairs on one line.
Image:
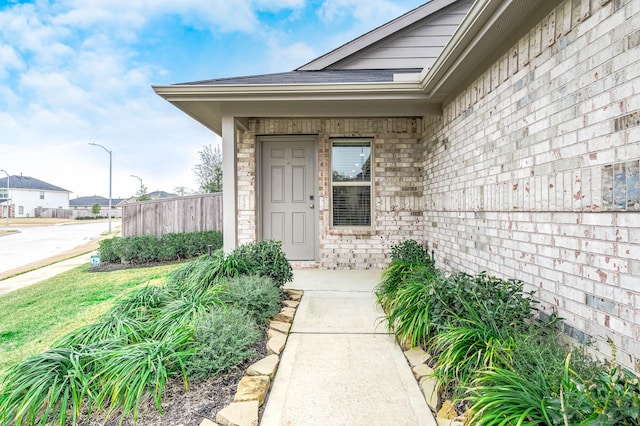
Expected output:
{"points": [[341, 91], [375, 35]]}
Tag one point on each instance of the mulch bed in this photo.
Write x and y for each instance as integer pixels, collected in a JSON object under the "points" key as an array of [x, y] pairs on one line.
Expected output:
{"points": [[204, 398], [108, 267]]}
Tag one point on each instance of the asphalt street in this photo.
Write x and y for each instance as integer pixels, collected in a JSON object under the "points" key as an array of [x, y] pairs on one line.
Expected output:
{"points": [[34, 243]]}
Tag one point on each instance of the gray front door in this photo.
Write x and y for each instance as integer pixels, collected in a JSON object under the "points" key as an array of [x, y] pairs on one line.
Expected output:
{"points": [[288, 196]]}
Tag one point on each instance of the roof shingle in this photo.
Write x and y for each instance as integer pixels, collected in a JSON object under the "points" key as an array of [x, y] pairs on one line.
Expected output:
{"points": [[310, 77], [27, 182]]}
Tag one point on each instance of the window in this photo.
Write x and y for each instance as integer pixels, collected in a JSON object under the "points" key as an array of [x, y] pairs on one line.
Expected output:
{"points": [[3, 193], [42, 195], [351, 190], [20, 209]]}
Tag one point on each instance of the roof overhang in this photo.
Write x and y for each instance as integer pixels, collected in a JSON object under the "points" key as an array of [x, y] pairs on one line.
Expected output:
{"points": [[488, 30], [484, 35], [209, 103]]}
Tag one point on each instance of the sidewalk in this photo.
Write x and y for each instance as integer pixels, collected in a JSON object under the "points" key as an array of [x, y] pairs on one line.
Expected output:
{"points": [[37, 275], [340, 367]]}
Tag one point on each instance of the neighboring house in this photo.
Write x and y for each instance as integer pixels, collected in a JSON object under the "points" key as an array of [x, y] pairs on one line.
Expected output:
{"points": [[504, 134], [27, 193], [155, 195], [83, 206]]}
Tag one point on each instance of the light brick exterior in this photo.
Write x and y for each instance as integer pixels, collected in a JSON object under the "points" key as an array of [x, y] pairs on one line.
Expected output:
{"points": [[397, 177], [530, 172]]}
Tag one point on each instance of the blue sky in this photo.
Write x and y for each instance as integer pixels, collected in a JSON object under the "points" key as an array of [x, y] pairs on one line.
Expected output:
{"points": [[79, 71]]}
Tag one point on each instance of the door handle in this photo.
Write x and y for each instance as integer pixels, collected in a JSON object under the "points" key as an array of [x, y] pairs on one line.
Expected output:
{"points": [[311, 206]]}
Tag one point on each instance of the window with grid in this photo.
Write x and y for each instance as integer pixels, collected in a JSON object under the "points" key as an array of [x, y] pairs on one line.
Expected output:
{"points": [[4, 193], [42, 195], [351, 189]]}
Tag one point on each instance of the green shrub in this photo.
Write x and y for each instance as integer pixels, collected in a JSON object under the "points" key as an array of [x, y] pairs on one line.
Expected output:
{"points": [[204, 272], [145, 304], [408, 258], [46, 388], [256, 295], [410, 251], [151, 248], [264, 258], [477, 342], [110, 249], [505, 299], [225, 338], [394, 277], [501, 396], [185, 309], [126, 374], [113, 326], [608, 397], [409, 307]]}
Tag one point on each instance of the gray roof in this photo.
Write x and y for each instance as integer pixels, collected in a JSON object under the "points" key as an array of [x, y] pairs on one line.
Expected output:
{"points": [[311, 77], [27, 182], [160, 194], [91, 200]]}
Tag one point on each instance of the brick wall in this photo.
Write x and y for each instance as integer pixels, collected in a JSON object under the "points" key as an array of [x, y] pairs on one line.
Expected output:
{"points": [[398, 177], [532, 171]]}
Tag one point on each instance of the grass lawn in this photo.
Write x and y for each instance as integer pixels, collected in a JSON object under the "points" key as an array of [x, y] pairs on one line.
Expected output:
{"points": [[32, 318]]}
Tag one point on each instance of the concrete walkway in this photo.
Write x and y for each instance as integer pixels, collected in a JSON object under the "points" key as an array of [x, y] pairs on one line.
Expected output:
{"points": [[37, 275], [340, 367]]}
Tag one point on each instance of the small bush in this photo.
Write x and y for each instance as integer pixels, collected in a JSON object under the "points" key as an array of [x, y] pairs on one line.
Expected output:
{"points": [[125, 374], [264, 258], [113, 326], [204, 272], [477, 341], [185, 309], [226, 337], [410, 251], [256, 295], [46, 388], [409, 307], [608, 397], [505, 299]]}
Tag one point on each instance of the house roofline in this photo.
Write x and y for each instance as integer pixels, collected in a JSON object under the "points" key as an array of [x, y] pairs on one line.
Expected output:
{"points": [[375, 35], [480, 40], [300, 90]]}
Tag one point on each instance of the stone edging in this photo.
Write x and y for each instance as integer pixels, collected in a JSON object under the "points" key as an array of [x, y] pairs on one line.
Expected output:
{"points": [[443, 411], [254, 386]]}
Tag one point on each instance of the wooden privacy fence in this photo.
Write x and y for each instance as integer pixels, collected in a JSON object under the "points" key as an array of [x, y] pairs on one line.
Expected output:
{"points": [[54, 213], [72, 213], [192, 213]]}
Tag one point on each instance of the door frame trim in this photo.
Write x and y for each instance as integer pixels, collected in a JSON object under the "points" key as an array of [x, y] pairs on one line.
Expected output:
{"points": [[313, 138]]}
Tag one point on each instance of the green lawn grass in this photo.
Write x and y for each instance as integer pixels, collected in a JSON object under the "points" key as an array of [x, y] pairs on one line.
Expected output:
{"points": [[32, 318]]}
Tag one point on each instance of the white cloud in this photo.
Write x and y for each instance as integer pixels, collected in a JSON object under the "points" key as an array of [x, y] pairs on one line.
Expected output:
{"points": [[9, 60], [216, 15], [287, 57], [54, 89], [374, 12]]}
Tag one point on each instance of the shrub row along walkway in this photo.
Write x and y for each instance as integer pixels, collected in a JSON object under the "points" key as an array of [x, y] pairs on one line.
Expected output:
{"points": [[340, 366]]}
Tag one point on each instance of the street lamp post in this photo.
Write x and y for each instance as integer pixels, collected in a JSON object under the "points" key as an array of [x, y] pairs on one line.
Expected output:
{"points": [[8, 187], [141, 187], [110, 169]]}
